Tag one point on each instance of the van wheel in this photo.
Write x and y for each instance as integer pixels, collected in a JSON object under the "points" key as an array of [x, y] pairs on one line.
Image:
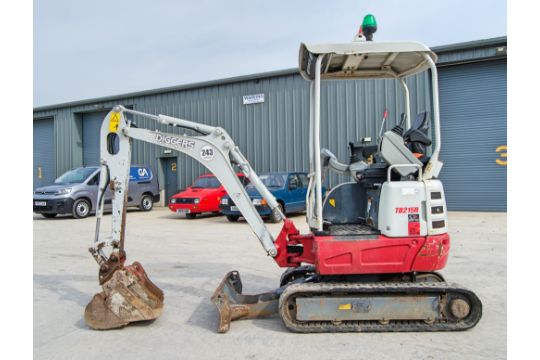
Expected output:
{"points": [[81, 209], [49, 216], [275, 218], [146, 203], [233, 218]]}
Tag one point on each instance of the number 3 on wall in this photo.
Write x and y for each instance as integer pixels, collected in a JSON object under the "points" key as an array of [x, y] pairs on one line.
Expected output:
{"points": [[502, 154]]}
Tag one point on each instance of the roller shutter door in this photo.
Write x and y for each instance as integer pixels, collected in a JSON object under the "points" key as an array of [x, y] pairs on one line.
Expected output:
{"points": [[44, 152], [473, 125], [91, 127]]}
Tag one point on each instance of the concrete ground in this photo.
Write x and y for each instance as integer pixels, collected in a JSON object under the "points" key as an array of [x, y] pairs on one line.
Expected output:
{"points": [[188, 258]]}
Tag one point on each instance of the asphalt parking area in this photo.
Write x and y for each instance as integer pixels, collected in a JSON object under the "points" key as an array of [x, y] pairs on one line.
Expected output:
{"points": [[188, 259]]}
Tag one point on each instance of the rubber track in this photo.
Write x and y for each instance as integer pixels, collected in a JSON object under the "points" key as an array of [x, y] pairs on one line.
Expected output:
{"points": [[329, 289]]}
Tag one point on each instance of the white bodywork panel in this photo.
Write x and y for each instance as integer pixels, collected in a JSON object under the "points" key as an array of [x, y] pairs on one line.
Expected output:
{"points": [[433, 187], [405, 209]]}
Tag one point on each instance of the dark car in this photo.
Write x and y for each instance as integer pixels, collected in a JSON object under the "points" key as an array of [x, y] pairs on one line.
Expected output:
{"points": [[289, 189]]}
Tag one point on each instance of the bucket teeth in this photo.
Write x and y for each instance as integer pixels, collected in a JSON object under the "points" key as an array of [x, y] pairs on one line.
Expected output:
{"points": [[127, 296]]}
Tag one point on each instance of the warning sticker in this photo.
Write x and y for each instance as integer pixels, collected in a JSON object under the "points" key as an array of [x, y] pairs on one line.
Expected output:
{"points": [[114, 121], [414, 224]]}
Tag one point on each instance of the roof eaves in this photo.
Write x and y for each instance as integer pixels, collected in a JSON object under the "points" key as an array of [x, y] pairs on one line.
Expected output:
{"points": [[502, 40]]}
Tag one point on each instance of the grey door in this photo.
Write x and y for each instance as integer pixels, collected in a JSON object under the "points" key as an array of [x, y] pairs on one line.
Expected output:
{"points": [[91, 125], [44, 152], [169, 166], [473, 125]]}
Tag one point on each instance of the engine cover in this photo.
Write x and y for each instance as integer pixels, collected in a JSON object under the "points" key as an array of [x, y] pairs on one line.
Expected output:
{"points": [[402, 209]]}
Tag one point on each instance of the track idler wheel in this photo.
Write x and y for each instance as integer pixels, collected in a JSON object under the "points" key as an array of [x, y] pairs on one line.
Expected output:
{"points": [[128, 295]]}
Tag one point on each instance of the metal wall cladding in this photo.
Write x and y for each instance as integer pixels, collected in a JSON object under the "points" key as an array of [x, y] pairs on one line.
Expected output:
{"points": [[473, 121], [44, 167], [272, 135], [471, 54]]}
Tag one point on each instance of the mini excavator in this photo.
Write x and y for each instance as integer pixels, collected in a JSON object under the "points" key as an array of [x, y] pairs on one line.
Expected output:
{"points": [[376, 242]]}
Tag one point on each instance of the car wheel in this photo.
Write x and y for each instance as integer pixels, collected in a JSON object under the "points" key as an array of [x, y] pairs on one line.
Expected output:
{"points": [[146, 203], [49, 216], [191, 216], [81, 208], [233, 218], [275, 218]]}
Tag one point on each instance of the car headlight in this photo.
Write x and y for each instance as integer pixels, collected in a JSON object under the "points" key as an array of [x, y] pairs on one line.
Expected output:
{"points": [[196, 201], [173, 201], [225, 201], [259, 202], [63, 191]]}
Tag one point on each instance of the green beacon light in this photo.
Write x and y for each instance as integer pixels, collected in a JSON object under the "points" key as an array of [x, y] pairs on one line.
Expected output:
{"points": [[369, 27]]}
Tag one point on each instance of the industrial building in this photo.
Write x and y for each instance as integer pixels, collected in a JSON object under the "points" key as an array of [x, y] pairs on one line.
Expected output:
{"points": [[267, 115]]}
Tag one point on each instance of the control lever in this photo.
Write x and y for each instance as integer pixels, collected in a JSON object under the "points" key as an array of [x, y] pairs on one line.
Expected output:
{"points": [[385, 116]]}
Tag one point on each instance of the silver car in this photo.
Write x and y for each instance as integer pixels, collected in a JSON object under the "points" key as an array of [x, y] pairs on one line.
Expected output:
{"points": [[75, 192]]}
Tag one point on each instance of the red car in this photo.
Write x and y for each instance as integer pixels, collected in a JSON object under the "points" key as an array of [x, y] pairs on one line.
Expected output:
{"points": [[204, 195]]}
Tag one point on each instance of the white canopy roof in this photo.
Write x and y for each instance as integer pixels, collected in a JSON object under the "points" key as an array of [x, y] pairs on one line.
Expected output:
{"points": [[364, 59]]}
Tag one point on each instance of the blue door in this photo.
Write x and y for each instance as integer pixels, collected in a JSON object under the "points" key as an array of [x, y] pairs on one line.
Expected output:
{"points": [[91, 125], [169, 165], [44, 152]]}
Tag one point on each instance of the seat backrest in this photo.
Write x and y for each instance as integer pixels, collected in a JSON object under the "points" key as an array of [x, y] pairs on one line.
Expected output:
{"points": [[417, 137], [420, 123], [394, 152]]}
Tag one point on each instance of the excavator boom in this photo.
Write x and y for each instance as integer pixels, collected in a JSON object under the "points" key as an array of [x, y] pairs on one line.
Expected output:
{"points": [[128, 294]]}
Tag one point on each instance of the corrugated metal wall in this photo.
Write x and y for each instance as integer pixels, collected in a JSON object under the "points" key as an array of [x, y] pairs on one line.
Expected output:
{"points": [[272, 135], [473, 126]]}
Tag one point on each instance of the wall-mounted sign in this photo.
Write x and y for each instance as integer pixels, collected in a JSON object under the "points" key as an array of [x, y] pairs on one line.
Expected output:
{"points": [[253, 99]]}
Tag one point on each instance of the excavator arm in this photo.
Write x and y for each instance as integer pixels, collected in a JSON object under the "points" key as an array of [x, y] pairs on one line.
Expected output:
{"points": [[128, 294], [213, 148]]}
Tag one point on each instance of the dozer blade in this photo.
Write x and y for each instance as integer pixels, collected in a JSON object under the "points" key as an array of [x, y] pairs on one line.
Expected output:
{"points": [[127, 296], [233, 305]]}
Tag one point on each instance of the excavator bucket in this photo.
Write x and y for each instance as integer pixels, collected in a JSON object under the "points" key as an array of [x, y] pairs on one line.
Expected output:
{"points": [[127, 296], [233, 305]]}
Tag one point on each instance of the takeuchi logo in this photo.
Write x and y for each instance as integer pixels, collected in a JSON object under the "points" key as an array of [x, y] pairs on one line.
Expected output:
{"points": [[181, 143]]}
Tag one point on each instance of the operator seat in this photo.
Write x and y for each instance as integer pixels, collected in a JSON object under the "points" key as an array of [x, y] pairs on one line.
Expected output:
{"points": [[417, 139]]}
